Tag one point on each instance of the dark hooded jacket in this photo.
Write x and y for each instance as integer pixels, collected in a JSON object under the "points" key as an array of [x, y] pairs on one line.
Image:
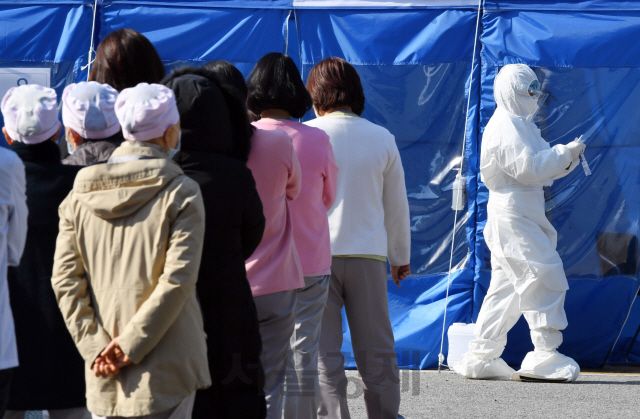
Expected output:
{"points": [[234, 227], [51, 371], [94, 151]]}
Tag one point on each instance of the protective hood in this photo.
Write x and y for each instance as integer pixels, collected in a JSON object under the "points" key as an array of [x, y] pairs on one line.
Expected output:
{"points": [[510, 90], [204, 114], [513, 151], [118, 190]]}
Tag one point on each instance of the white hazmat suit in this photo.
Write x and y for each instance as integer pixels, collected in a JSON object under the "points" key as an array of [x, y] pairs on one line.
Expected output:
{"points": [[527, 274]]}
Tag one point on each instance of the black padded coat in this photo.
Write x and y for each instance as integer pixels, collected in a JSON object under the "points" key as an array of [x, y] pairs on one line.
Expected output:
{"points": [[233, 229], [51, 371]]}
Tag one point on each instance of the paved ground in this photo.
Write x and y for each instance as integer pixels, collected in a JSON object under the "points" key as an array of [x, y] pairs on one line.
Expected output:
{"points": [[433, 395]]}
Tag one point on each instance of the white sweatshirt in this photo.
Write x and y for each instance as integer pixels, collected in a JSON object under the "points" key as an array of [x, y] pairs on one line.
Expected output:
{"points": [[13, 235], [370, 215]]}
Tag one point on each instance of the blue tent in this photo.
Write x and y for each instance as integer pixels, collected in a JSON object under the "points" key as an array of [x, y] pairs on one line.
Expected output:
{"points": [[414, 59]]}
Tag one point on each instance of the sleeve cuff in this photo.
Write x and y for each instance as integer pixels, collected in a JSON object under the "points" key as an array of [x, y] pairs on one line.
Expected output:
{"points": [[91, 346], [130, 346], [395, 260], [565, 153]]}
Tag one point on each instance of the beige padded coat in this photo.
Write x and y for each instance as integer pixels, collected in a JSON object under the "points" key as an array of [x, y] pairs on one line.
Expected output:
{"points": [[126, 265]]}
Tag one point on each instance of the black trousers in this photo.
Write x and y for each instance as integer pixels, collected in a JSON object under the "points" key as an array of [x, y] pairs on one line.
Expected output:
{"points": [[5, 381]]}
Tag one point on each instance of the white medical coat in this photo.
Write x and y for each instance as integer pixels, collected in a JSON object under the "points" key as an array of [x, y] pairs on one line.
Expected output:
{"points": [[13, 234], [515, 163]]}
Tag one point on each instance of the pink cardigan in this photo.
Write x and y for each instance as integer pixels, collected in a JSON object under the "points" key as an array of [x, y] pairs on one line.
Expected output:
{"points": [[309, 210], [275, 265]]}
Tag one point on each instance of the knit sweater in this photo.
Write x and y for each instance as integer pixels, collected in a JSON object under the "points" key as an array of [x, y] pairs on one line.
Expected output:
{"points": [[274, 266], [309, 209], [370, 215]]}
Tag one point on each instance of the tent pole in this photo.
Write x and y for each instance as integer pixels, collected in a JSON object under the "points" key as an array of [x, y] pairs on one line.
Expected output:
{"points": [[91, 50], [455, 217]]}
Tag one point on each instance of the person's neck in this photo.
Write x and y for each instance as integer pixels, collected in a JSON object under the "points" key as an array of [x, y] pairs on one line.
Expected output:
{"points": [[159, 142], [275, 114], [338, 109], [115, 137]]}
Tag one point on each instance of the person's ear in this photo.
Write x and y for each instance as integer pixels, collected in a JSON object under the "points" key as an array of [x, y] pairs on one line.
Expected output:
{"points": [[73, 138], [56, 136], [6, 136], [171, 135]]}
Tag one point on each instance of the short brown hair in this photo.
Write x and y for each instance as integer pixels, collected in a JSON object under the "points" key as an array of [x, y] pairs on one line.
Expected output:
{"points": [[124, 59], [333, 83]]}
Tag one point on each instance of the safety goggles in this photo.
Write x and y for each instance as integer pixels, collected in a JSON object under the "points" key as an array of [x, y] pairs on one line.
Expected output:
{"points": [[534, 89]]}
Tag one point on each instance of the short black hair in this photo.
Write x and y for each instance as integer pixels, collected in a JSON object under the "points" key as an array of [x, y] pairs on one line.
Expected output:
{"points": [[275, 83], [230, 76]]}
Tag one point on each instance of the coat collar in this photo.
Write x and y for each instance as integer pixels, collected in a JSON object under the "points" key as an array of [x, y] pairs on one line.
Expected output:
{"points": [[141, 148], [46, 151]]}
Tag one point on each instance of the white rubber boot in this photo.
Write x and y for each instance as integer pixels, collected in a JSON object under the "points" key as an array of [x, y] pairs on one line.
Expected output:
{"points": [[549, 365], [545, 362], [483, 362]]}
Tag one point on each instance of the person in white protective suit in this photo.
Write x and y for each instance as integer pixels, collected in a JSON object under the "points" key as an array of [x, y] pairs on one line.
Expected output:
{"points": [[527, 275]]}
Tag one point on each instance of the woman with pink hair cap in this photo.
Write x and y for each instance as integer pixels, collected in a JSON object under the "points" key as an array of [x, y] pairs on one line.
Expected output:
{"points": [[92, 130], [32, 130]]}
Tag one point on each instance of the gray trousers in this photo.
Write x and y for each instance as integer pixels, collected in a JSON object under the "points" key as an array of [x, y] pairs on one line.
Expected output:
{"points": [[276, 319], [303, 388], [360, 285]]}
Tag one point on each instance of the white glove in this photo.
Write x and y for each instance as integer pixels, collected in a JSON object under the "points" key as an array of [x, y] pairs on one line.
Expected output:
{"points": [[576, 148]]}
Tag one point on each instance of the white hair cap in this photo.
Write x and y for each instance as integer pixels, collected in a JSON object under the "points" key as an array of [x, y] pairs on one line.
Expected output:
{"points": [[88, 108], [30, 113], [146, 111]]}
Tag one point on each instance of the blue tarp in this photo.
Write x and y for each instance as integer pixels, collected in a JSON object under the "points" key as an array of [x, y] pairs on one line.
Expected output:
{"points": [[415, 63], [49, 34]]}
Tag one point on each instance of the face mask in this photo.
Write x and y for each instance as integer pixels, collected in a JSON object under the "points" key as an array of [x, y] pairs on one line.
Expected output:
{"points": [[70, 148], [537, 99], [174, 151]]}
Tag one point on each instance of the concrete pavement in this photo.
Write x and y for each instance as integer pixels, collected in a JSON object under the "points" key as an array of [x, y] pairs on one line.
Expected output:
{"points": [[429, 394]]}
